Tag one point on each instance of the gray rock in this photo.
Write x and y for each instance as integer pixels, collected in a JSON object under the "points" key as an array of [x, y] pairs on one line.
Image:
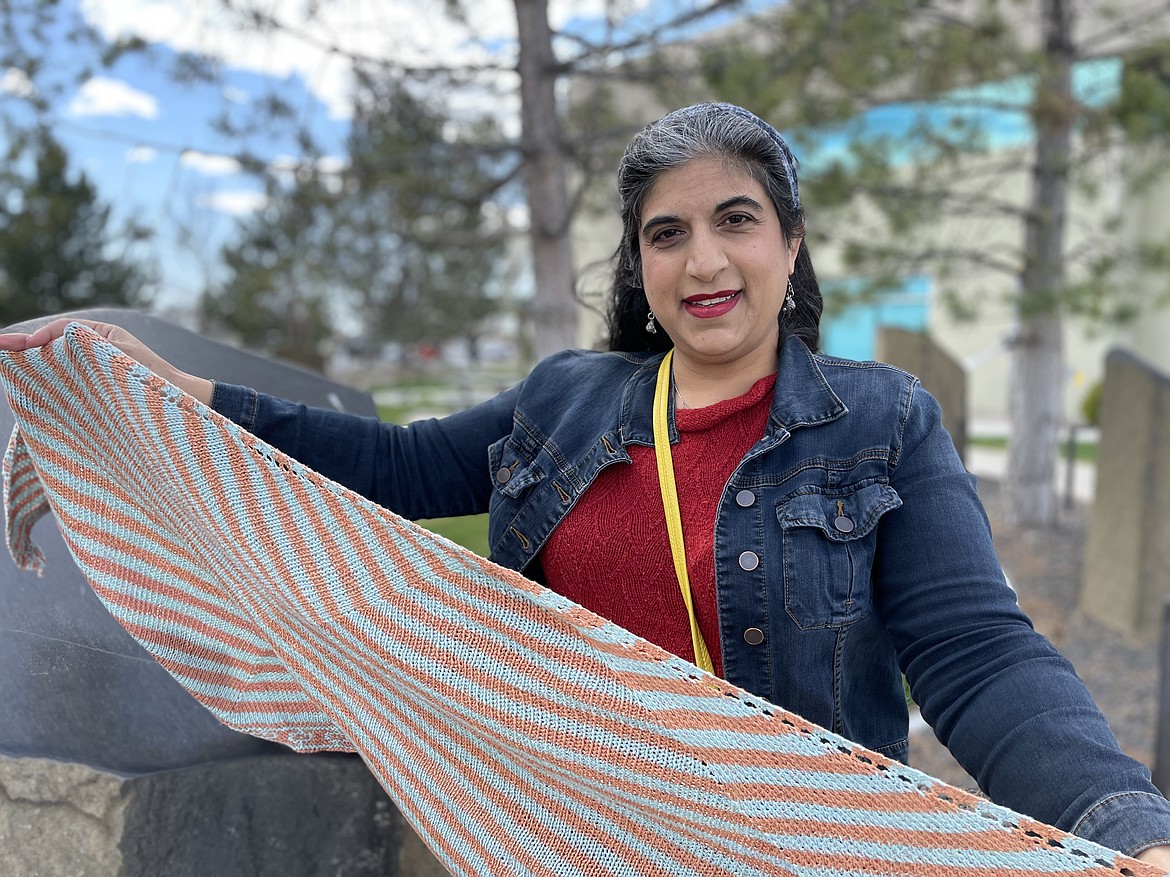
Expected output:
{"points": [[266, 816], [108, 767]]}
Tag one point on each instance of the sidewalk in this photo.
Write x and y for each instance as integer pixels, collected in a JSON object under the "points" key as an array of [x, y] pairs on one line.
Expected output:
{"points": [[992, 464]]}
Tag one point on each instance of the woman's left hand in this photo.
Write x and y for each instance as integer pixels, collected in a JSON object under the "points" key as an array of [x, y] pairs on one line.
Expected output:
{"points": [[1157, 856], [200, 388]]}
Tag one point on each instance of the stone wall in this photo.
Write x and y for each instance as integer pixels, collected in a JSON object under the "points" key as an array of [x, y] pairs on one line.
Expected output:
{"points": [[108, 767], [1127, 559], [276, 815], [941, 375]]}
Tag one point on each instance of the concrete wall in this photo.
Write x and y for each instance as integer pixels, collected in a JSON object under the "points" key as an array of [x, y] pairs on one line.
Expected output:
{"points": [[1127, 560], [271, 816], [941, 374]]}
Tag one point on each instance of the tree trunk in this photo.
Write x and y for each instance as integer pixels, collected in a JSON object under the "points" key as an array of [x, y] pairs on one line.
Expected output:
{"points": [[1036, 401], [554, 307]]}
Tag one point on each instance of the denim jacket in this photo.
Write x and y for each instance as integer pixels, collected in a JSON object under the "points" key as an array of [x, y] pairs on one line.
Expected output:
{"points": [[850, 549]]}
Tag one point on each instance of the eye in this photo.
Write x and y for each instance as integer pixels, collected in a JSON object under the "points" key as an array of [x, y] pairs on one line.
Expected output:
{"points": [[738, 219], [665, 236]]}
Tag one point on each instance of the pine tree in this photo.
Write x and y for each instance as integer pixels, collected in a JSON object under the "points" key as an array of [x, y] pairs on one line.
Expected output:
{"points": [[400, 238], [888, 196], [56, 248]]}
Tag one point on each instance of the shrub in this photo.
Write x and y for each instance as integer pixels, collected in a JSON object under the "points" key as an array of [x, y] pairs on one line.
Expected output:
{"points": [[1091, 405]]}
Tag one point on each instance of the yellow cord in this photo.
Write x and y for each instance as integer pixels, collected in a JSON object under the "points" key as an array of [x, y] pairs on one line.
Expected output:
{"points": [[670, 506]]}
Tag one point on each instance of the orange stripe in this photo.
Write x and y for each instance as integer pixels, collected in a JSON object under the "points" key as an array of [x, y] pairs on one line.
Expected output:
{"points": [[502, 799], [389, 608], [322, 670]]}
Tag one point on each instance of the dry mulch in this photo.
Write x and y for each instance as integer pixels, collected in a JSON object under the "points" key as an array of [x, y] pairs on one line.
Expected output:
{"points": [[1121, 670]]}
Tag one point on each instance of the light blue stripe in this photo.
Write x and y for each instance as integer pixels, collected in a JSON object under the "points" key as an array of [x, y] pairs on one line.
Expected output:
{"points": [[455, 641], [244, 631], [578, 804], [686, 764], [177, 625], [505, 734]]}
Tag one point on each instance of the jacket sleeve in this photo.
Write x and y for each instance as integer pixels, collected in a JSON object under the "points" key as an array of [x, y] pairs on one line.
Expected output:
{"points": [[428, 469], [999, 695]]}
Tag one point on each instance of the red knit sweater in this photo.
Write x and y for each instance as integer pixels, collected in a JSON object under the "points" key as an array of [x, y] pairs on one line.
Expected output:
{"points": [[611, 553]]}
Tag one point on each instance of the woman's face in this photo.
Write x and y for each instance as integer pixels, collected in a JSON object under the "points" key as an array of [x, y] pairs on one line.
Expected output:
{"points": [[715, 264]]}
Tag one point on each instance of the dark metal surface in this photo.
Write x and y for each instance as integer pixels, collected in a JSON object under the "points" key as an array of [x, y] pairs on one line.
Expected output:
{"points": [[73, 684], [1161, 772]]}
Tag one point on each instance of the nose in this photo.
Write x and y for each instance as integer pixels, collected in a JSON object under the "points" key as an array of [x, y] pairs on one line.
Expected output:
{"points": [[705, 258]]}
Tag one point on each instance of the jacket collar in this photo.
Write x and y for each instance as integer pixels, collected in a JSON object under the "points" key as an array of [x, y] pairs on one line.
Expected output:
{"points": [[803, 396]]}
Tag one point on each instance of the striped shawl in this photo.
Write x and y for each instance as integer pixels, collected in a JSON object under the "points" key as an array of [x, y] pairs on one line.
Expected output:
{"points": [[519, 733]]}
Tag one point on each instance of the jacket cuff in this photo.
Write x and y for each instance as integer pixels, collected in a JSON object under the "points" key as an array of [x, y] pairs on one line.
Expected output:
{"points": [[1129, 822], [236, 403]]}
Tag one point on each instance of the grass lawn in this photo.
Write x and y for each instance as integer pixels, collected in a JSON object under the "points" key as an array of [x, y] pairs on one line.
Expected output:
{"points": [[469, 531], [1086, 450]]}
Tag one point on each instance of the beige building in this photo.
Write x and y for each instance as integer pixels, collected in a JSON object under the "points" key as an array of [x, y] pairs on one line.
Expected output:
{"points": [[1112, 216]]}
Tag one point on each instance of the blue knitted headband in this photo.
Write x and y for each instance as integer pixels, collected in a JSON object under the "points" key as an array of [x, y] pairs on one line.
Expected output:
{"points": [[786, 156]]}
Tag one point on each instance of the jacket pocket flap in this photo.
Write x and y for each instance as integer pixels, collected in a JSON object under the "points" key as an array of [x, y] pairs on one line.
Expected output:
{"points": [[511, 473], [841, 514]]}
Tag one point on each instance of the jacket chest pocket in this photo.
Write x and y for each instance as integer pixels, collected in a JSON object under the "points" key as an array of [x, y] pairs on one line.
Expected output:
{"points": [[830, 537], [512, 470]]}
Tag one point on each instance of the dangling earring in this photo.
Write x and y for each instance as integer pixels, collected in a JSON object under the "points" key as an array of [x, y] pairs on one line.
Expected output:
{"points": [[790, 298], [651, 326]]}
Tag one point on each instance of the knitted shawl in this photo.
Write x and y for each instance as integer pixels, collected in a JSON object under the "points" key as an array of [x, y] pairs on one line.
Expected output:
{"points": [[517, 732]]}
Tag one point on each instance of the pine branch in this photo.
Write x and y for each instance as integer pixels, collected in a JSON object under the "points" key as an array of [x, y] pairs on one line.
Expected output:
{"points": [[930, 256], [265, 21], [651, 37], [968, 204], [1097, 44]]}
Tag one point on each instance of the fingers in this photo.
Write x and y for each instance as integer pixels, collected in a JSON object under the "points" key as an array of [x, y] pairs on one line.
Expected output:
{"points": [[51, 331], [13, 341], [200, 388], [46, 334]]}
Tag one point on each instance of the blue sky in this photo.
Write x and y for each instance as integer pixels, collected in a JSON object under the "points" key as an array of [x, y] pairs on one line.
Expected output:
{"points": [[147, 141]]}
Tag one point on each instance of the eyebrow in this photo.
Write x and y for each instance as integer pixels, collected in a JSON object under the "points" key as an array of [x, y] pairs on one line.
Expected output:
{"points": [[734, 201], [738, 201]]}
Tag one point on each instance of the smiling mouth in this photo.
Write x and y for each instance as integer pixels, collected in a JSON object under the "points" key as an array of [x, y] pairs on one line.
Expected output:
{"points": [[710, 301]]}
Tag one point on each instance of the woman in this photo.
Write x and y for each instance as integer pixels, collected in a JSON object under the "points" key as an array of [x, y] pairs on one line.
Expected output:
{"points": [[832, 539]]}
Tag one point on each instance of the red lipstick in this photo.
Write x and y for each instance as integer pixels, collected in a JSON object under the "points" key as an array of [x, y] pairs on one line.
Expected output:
{"points": [[708, 305]]}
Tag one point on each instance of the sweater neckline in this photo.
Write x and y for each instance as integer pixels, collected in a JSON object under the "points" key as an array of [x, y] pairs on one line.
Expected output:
{"points": [[696, 419]]}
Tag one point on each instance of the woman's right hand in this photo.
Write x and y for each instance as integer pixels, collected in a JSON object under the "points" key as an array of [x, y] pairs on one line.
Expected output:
{"points": [[196, 386]]}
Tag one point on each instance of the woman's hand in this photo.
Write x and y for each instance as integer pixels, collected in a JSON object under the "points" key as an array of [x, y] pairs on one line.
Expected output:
{"points": [[1159, 857], [198, 387]]}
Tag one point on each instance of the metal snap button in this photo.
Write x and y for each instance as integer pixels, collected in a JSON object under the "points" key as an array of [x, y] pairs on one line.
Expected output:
{"points": [[842, 522], [744, 499], [749, 560], [503, 474], [753, 636]]}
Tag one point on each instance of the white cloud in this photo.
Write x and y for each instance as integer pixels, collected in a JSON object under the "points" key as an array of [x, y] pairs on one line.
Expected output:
{"points": [[235, 95], [518, 217], [210, 165], [15, 82], [284, 168], [411, 32], [326, 164], [102, 96], [416, 33], [332, 164], [239, 202], [141, 155]]}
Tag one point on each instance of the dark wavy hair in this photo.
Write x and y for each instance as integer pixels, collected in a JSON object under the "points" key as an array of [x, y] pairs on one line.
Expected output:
{"points": [[706, 130]]}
